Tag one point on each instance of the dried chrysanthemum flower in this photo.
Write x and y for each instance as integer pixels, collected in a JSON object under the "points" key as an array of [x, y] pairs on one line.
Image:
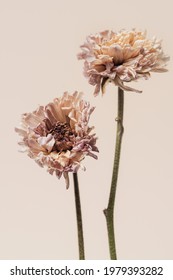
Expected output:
{"points": [[121, 57], [58, 136]]}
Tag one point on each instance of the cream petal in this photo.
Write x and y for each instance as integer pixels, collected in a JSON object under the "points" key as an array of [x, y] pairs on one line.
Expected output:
{"points": [[116, 52], [40, 113], [138, 44], [65, 174], [21, 132], [159, 70], [53, 108], [127, 53], [72, 115], [34, 146], [31, 120], [97, 88], [47, 142], [50, 115], [104, 83]]}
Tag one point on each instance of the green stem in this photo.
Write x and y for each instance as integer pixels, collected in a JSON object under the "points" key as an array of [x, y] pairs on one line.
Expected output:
{"points": [[109, 211], [79, 217]]}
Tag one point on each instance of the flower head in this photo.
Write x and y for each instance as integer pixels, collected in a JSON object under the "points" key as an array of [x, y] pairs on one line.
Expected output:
{"points": [[58, 136], [121, 57]]}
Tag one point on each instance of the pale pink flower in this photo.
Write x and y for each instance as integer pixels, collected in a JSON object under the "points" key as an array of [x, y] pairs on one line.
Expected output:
{"points": [[121, 58], [57, 136]]}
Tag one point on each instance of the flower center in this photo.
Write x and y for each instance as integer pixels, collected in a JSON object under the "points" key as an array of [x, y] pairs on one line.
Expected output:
{"points": [[64, 136]]}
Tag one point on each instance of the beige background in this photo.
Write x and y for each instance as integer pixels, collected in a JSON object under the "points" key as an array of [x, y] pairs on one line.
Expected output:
{"points": [[39, 43]]}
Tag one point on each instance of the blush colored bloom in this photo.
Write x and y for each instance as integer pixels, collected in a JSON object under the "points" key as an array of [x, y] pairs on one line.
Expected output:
{"points": [[57, 135], [121, 58]]}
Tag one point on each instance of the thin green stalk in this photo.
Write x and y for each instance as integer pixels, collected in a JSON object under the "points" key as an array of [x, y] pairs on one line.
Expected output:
{"points": [[79, 218], [109, 211]]}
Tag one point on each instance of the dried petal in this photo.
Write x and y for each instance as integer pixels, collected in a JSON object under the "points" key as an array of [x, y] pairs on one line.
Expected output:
{"points": [[121, 57], [57, 136]]}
